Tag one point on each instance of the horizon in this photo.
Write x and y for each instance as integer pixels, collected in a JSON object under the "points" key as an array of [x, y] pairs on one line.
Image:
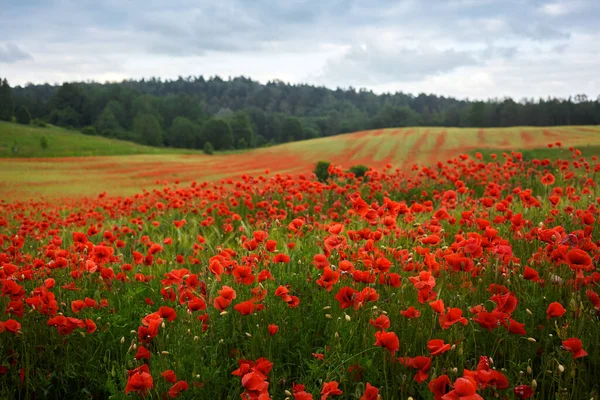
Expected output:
{"points": [[465, 49], [522, 100]]}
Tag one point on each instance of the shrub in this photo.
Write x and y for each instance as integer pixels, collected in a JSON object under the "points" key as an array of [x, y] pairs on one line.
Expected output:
{"points": [[322, 170], [89, 130], [39, 123], [44, 142], [208, 148], [359, 170]]}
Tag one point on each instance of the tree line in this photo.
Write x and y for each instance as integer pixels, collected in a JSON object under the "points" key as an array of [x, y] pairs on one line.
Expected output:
{"points": [[238, 113]]}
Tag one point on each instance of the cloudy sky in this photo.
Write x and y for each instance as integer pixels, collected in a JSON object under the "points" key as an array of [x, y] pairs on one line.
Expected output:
{"points": [[462, 48]]}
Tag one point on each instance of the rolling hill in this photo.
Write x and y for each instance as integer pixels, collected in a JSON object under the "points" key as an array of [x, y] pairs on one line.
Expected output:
{"points": [[24, 178]]}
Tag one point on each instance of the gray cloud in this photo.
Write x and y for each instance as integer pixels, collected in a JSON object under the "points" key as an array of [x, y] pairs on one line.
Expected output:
{"points": [[10, 53], [372, 64]]}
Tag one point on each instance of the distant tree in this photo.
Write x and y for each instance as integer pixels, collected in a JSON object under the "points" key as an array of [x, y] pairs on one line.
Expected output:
{"points": [[183, 133], [107, 124], [208, 148], [477, 114], [242, 144], [241, 128], [66, 117], [218, 132], [292, 129], [147, 127], [393, 117], [22, 115], [6, 101], [71, 106]]}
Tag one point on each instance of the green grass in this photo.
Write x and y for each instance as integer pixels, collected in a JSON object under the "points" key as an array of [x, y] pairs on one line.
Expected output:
{"points": [[18, 141]]}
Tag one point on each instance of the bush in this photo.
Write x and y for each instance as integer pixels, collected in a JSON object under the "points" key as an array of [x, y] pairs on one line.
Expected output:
{"points": [[89, 130], [359, 170], [39, 123], [322, 170], [44, 142], [208, 148], [22, 115]]}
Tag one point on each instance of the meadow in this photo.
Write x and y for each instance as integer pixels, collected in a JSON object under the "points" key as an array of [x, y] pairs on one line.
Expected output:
{"points": [[78, 165], [454, 269]]}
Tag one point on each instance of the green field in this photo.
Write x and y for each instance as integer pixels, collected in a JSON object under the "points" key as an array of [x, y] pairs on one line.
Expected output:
{"points": [[26, 141]]}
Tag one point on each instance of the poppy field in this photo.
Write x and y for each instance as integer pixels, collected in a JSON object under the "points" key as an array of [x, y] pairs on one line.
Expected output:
{"points": [[464, 278], [122, 168]]}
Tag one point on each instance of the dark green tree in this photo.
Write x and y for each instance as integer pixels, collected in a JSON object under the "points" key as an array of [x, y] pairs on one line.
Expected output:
{"points": [[73, 106], [292, 129], [107, 124], [22, 115], [241, 128], [6, 101], [147, 127], [218, 132], [183, 133]]}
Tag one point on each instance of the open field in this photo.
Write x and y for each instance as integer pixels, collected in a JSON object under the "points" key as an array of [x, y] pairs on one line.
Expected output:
{"points": [[17, 141], [469, 280], [122, 175]]}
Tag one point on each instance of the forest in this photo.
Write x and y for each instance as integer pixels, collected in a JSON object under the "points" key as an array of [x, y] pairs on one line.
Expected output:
{"points": [[217, 114]]}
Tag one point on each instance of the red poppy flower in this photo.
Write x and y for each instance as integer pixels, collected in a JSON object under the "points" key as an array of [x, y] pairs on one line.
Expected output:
{"points": [[387, 340], [439, 386], [464, 389], [579, 260], [523, 391], [555, 309], [370, 393], [142, 353], [382, 322], [177, 388], [169, 376], [574, 345], [273, 329], [330, 389], [453, 316], [139, 382], [410, 312], [437, 347]]}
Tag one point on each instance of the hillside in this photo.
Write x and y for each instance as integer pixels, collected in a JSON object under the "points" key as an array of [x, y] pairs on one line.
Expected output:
{"points": [[26, 141], [401, 148]]}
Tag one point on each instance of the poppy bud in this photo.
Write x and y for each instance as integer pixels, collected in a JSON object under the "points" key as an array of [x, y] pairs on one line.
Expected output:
{"points": [[347, 317], [532, 340], [223, 313], [328, 316], [288, 393], [248, 334], [561, 369], [534, 384], [123, 340], [195, 338], [326, 307], [529, 370]]}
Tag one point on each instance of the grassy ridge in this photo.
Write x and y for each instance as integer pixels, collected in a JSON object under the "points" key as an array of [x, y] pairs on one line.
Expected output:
{"points": [[18, 141]]}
